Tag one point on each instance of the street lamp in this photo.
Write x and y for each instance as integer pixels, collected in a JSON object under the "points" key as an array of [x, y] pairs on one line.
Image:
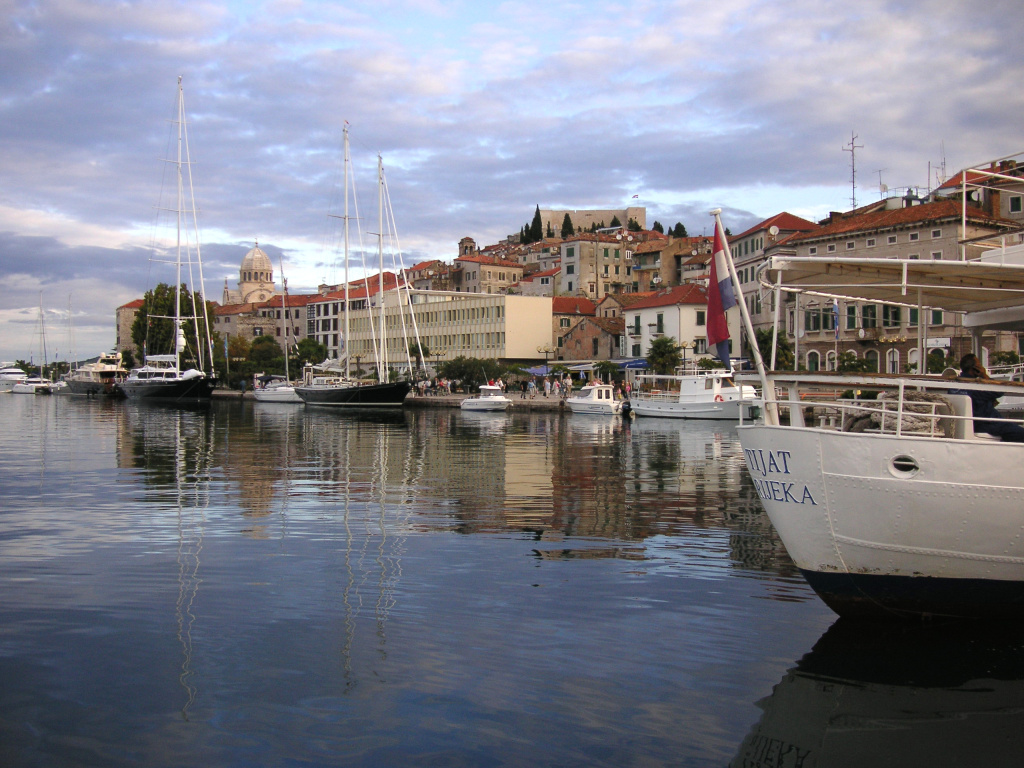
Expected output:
{"points": [[685, 345], [545, 349]]}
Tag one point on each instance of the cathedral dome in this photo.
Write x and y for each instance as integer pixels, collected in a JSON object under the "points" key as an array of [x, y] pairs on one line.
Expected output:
{"points": [[256, 267]]}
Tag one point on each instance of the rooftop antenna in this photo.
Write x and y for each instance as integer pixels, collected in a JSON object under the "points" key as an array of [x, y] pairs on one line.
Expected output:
{"points": [[853, 168], [883, 189]]}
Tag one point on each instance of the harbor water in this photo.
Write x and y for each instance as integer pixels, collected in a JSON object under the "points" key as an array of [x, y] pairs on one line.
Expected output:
{"points": [[254, 584]]}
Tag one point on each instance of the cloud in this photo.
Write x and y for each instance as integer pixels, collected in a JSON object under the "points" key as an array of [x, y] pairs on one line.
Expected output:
{"points": [[480, 110]]}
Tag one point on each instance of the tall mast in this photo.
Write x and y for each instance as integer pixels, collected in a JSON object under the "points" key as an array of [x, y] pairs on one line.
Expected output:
{"points": [[348, 351], [178, 332], [382, 360]]}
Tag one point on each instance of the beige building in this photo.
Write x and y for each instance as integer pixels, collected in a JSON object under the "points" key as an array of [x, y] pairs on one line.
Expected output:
{"points": [[255, 280], [450, 324]]}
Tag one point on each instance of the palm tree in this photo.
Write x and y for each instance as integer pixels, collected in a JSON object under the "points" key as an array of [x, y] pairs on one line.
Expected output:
{"points": [[664, 356]]}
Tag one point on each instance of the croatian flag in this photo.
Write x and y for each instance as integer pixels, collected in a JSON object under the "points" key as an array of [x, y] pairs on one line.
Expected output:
{"points": [[721, 296]]}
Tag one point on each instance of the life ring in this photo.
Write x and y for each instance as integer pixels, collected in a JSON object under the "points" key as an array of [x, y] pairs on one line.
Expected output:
{"points": [[719, 399]]}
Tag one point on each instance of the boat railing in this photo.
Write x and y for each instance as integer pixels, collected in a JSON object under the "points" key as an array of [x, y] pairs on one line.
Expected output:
{"points": [[899, 407]]}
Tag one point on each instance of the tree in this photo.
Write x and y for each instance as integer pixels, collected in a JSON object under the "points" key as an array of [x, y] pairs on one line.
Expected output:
{"points": [[848, 362], [783, 350], [679, 230], [127, 359], [536, 227], [615, 222], [567, 228], [310, 351], [265, 353], [471, 371], [153, 327], [419, 352], [606, 370], [664, 355], [634, 226], [550, 231], [657, 227]]}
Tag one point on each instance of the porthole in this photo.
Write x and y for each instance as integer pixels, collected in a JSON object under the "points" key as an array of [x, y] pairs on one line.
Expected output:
{"points": [[903, 466]]}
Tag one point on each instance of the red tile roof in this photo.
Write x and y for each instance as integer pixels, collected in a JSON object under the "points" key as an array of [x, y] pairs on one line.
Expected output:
{"points": [[786, 222], [690, 293], [572, 305], [899, 217]]}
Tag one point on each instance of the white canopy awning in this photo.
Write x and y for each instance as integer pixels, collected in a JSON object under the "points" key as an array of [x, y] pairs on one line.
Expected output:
{"points": [[958, 286]]}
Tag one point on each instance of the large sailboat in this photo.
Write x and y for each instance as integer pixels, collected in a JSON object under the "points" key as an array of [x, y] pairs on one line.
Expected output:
{"points": [[330, 383], [163, 377]]}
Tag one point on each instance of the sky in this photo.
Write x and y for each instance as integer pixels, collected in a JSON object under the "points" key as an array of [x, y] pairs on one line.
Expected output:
{"points": [[481, 111]]}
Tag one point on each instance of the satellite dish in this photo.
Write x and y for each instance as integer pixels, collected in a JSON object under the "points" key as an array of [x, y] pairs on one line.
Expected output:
{"points": [[773, 230]]}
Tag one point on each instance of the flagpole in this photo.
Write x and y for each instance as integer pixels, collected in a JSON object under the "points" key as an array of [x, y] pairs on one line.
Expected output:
{"points": [[766, 388]]}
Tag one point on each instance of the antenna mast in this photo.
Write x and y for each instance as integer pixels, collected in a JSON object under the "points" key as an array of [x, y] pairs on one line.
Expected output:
{"points": [[853, 168]]}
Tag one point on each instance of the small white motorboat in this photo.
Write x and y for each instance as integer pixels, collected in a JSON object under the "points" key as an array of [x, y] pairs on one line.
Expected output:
{"points": [[491, 398], [33, 385], [596, 399], [274, 389]]}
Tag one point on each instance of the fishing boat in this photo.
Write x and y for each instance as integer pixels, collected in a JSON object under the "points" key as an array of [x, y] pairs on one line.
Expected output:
{"points": [[692, 394], [597, 399], [886, 494], [163, 376], [10, 374], [330, 383], [490, 398], [99, 377]]}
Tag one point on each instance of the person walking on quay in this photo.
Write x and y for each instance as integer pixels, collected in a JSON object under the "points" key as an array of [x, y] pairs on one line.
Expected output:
{"points": [[547, 387], [522, 388]]}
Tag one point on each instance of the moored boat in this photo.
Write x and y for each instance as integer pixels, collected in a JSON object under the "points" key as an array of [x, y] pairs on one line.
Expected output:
{"points": [[323, 388], [162, 377], [490, 398], [10, 374], [597, 399], [899, 506], [695, 394], [33, 385], [99, 377], [274, 389]]}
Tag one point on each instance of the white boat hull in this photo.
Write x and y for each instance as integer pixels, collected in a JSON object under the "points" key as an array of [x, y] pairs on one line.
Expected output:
{"points": [[595, 408], [726, 410], [879, 524], [283, 394], [485, 404]]}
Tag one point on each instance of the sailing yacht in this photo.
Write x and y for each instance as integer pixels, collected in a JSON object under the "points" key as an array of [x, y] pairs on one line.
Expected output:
{"points": [[162, 377], [330, 384]]}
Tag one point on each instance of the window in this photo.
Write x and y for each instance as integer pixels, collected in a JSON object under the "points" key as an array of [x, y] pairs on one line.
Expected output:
{"points": [[1016, 204], [890, 317], [563, 322], [812, 320], [700, 346], [700, 317], [830, 360], [936, 317], [914, 237], [937, 255], [870, 242], [813, 361], [257, 331], [850, 245], [813, 250], [570, 269], [892, 361], [595, 349], [914, 256], [871, 356], [936, 233], [892, 241], [868, 314], [634, 351], [570, 252], [851, 317], [636, 325], [831, 248]]}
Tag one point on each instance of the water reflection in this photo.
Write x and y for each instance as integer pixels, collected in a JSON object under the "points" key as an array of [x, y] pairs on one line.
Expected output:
{"points": [[896, 695]]}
